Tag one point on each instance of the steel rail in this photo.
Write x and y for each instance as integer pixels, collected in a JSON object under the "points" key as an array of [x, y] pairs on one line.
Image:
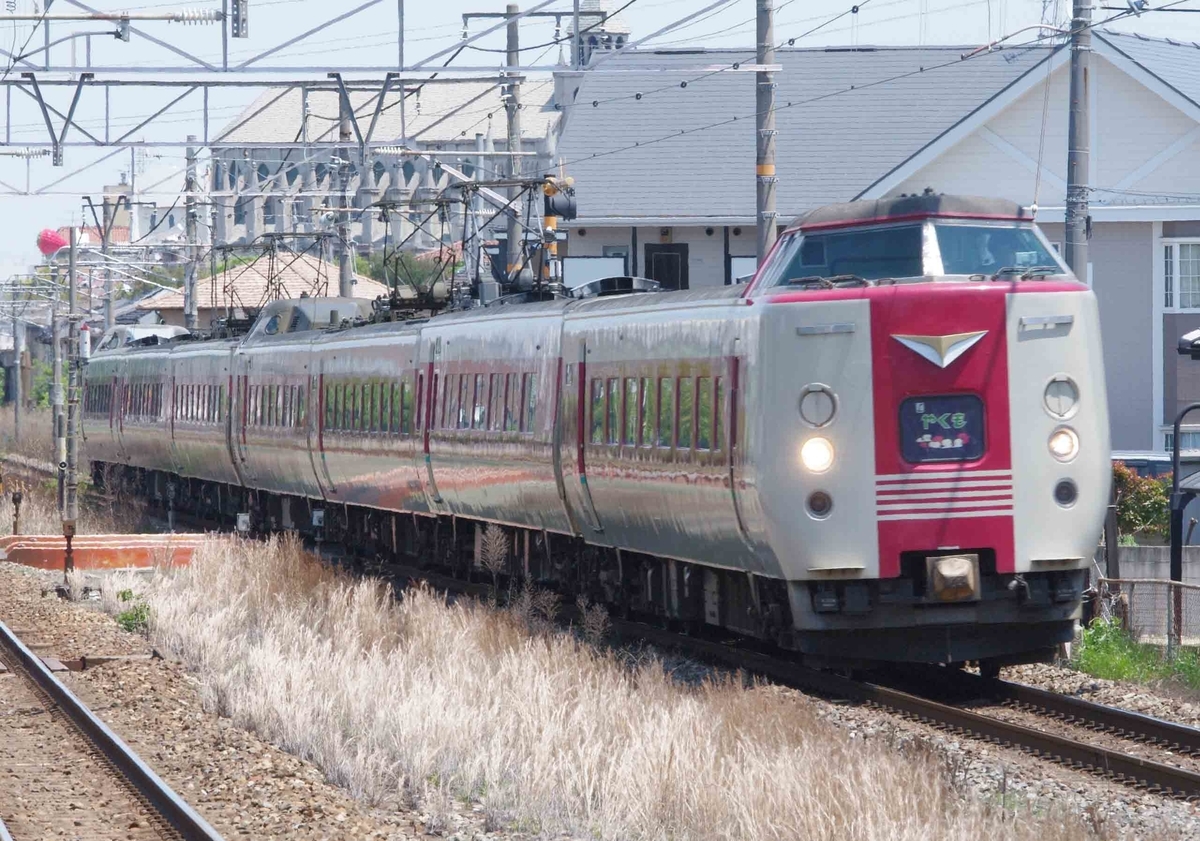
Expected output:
{"points": [[170, 807], [1156, 776], [1125, 768]]}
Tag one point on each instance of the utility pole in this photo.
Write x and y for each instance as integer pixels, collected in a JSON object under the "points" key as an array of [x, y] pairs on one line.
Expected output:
{"points": [[18, 353], [346, 256], [189, 279], [513, 110], [1077, 140], [765, 105], [74, 373], [56, 392]]}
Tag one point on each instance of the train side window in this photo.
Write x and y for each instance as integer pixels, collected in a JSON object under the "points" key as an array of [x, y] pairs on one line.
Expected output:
{"points": [[301, 407], [371, 410], [614, 411], [631, 411], [719, 417], [449, 406], [530, 390], [450, 402], [391, 407], [381, 411], [704, 413], [666, 411], [465, 407], [647, 410], [512, 403], [496, 403], [272, 407], [334, 414], [479, 408], [404, 406], [285, 416], [328, 420], [597, 411], [421, 397], [687, 413]]}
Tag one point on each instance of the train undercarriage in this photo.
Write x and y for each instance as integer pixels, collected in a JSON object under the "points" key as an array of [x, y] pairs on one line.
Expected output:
{"points": [[859, 630]]}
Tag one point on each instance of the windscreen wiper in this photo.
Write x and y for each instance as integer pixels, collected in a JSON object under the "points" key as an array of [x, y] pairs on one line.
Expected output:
{"points": [[831, 282], [1040, 271]]}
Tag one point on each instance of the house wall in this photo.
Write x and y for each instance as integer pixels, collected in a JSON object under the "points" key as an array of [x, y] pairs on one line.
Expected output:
{"points": [[706, 251]]}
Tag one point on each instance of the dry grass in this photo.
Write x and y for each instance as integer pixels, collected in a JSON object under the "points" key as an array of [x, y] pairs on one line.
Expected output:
{"points": [[37, 434], [39, 511], [419, 701]]}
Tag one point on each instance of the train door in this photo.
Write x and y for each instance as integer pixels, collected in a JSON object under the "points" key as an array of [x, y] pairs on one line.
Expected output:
{"points": [[428, 386], [316, 439], [572, 456], [247, 403]]}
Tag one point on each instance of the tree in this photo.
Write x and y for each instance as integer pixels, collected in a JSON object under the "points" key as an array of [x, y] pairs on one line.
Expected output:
{"points": [[1143, 502], [404, 268]]}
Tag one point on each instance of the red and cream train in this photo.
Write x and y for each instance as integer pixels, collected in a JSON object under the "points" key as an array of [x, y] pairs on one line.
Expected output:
{"points": [[891, 445]]}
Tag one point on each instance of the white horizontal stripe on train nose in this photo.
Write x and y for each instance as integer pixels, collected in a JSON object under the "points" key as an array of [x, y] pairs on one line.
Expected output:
{"points": [[947, 506], [944, 474], [948, 515], [998, 493], [982, 484]]}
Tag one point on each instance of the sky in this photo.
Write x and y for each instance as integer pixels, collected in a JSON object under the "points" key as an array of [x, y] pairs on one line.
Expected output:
{"points": [[371, 39]]}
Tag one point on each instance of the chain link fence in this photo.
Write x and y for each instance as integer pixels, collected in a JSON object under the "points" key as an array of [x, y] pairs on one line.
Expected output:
{"points": [[1154, 611]]}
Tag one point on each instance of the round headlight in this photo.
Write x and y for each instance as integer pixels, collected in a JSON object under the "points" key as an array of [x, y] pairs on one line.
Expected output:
{"points": [[817, 454], [1064, 444]]}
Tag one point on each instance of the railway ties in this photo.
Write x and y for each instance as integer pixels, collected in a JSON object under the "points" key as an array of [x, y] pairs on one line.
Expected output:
{"points": [[68, 771], [1126, 768]]}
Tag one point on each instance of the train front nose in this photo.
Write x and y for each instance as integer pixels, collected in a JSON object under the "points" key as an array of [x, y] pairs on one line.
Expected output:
{"points": [[988, 479]]}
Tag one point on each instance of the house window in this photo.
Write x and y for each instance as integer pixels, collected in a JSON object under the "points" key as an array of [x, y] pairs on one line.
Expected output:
{"points": [[1168, 276], [1181, 275], [1188, 440]]}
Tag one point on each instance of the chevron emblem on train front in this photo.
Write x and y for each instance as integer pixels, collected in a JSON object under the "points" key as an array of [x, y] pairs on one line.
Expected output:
{"points": [[941, 350]]}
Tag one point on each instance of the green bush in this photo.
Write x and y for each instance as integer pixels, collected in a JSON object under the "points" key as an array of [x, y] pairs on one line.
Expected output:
{"points": [[1107, 651], [1143, 502]]}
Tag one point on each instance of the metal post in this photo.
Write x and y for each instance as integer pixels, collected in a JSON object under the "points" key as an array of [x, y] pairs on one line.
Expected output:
{"points": [[1078, 141], [74, 373], [513, 112], [765, 103], [189, 282], [105, 230], [1179, 502], [18, 352], [400, 43], [576, 38], [345, 256], [56, 399]]}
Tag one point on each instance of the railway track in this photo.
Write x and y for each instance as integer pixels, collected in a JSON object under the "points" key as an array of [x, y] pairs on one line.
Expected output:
{"points": [[927, 704], [73, 775]]}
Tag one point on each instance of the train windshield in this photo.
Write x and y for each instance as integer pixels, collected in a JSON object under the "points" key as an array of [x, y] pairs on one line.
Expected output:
{"points": [[908, 251], [989, 249]]}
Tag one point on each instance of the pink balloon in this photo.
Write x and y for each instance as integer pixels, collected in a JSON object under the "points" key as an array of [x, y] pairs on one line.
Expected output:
{"points": [[49, 241]]}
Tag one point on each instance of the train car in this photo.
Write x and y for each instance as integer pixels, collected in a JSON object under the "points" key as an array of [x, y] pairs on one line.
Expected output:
{"points": [[891, 445]]}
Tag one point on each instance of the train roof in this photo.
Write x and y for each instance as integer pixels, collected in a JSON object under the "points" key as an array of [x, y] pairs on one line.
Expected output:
{"points": [[905, 208]]}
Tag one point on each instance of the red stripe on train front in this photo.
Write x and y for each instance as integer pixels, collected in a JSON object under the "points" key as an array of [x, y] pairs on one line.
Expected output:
{"points": [[941, 505]]}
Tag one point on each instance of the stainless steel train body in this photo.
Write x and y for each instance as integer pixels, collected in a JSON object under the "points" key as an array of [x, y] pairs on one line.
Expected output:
{"points": [[873, 452]]}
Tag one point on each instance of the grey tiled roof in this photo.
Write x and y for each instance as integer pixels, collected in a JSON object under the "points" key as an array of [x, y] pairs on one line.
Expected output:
{"points": [[833, 143], [1177, 63]]}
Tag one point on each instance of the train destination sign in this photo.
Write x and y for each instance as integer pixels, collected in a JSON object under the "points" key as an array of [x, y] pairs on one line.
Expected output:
{"points": [[944, 428]]}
